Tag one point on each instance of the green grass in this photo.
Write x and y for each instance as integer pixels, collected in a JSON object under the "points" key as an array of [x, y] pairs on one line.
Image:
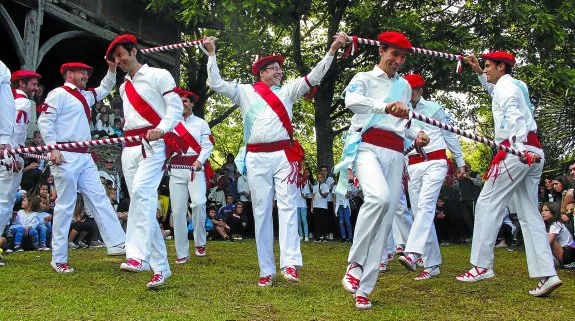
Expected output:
{"points": [[222, 286]]}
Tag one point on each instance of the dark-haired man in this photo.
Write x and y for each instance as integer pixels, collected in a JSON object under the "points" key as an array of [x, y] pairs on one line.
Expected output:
{"points": [[272, 156], [25, 84], [65, 116], [152, 109], [511, 177]]}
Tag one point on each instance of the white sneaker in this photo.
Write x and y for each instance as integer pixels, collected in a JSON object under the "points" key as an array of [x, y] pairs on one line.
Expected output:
{"points": [[72, 246], [200, 251], [266, 281], [428, 273], [306, 239], [420, 262], [135, 265], [182, 260], [351, 278], [159, 278], [291, 274], [301, 238], [546, 285], [476, 274], [362, 302], [408, 262], [62, 268], [382, 267], [117, 250]]}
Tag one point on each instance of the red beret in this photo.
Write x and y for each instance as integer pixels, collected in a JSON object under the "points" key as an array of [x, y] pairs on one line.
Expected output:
{"points": [[120, 39], [24, 74], [187, 94], [75, 66], [394, 39], [258, 65], [415, 80], [500, 56]]}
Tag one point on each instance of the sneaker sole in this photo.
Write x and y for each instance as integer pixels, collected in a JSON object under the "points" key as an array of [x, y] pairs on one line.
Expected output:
{"points": [[427, 278], [291, 279], [128, 269], [406, 264], [475, 280], [549, 290], [117, 254]]}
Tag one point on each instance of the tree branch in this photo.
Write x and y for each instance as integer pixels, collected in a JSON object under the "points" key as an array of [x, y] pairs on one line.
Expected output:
{"points": [[341, 130], [223, 116]]}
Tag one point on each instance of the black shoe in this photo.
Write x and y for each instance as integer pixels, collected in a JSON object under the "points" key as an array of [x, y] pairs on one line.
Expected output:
{"points": [[18, 249], [343, 240]]}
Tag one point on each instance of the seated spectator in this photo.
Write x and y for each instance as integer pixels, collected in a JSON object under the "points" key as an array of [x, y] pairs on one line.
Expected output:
{"points": [[567, 217], [122, 212], [210, 230], [44, 226], [118, 128], [221, 228], [24, 222], [83, 227], [104, 127], [442, 223], [226, 211], [43, 190], [238, 220], [560, 238], [507, 231]]}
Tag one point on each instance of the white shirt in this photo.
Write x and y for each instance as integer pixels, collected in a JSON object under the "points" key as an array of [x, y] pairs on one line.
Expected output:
{"points": [[27, 219], [331, 184], [342, 200], [318, 200], [7, 110], [438, 138], [65, 119], [200, 130], [508, 100], [152, 84], [564, 237], [243, 186], [301, 195], [364, 96], [266, 127], [23, 106], [107, 128]]}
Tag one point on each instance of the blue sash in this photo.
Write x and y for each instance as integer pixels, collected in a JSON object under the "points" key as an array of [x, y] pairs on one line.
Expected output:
{"points": [[353, 138]]}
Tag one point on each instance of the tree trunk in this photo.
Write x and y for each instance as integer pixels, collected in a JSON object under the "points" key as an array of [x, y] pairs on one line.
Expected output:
{"points": [[323, 127]]}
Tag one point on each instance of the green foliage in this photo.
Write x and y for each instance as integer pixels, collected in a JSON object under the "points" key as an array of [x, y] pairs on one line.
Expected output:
{"points": [[539, 32]]}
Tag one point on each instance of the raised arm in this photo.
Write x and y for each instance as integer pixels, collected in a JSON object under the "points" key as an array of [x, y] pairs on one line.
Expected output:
{"points": [[215, 81]]}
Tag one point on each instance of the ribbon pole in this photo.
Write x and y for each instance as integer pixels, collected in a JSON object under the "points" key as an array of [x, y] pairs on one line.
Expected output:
{"points": [[472, 136], [173, 46], [73, 145]]}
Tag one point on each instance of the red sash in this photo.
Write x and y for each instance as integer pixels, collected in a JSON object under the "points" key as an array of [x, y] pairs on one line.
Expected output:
{"points": [[383, 138], [532, 140], [294, 152], [141, 106], [435, 155], [187, 140], [21, 113], [76, 93]]}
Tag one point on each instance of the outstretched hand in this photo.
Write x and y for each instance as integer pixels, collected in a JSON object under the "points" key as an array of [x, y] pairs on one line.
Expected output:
{"points": [[474, 63], [339, 40], [210, 44]]}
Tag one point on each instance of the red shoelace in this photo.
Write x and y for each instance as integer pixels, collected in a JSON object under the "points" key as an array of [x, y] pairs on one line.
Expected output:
{"points": [[423, 275], [361, 300], [157, 277], [135, 263], [468, 274], [291, 271], [63, 266], [265, 279], [200, 249]]}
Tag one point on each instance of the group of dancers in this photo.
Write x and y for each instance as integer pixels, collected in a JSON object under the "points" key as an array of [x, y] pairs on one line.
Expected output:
{"points": [[380, 99]]}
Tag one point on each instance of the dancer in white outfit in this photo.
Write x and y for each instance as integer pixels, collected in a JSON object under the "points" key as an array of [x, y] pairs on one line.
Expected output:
{"points": [[426, 175], [511, 177], [186, 184], [272, 157], [374, 148], [65, 118]]}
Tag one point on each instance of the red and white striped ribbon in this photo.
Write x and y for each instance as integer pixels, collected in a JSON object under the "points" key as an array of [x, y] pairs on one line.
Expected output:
{"points": [[472, 136], [175, 166], [44, 157], [173, 46], [73, 145], [357, 40]]}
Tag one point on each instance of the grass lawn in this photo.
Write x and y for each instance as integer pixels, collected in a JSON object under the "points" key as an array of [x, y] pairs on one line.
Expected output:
{"points": [[222, 286]]}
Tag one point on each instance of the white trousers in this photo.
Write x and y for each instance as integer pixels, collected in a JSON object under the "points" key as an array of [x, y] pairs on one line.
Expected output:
{"points": [[400, 228], [489, 215], [425, 181], [80, 174], [267, 174], [144, 238], [9, 182], [183, 188], [379, 171]]}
